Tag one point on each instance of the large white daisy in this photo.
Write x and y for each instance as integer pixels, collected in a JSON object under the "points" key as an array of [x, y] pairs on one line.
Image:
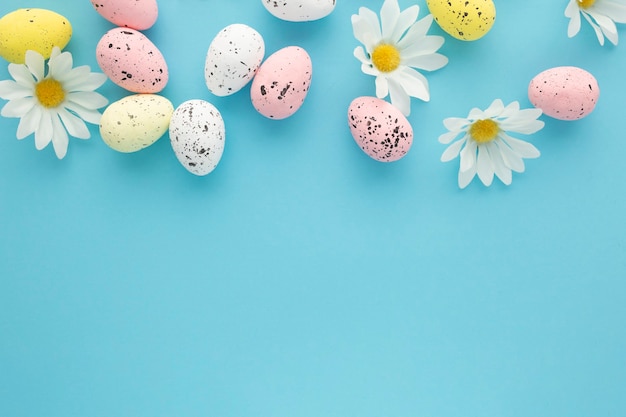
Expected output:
{"points": [[485, 146], [601, 15], [393, 48], [52, 105]]}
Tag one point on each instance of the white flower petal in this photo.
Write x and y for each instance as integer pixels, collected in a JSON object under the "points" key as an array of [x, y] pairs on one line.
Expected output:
{"points": [[88, 99], [74, 125], [371, 20], [412, 82], [35, 64], [22, 75], [448, 137], [510, 158], [359, 54], [405, 21], [18, 107], [495, 109], [429, 62], [60, 65], [523, 149], [382, 86], [416, 32], [607, 26], [75, 78], [399, 97], [94, 81], [452, 151], [595, 27], [572, 9], [90, 116], [369, 69], [465, 177], [573, 12], [468, 155], [499, 167], [484, 165], [29, 123], [455, 123], [389, 15], [615, 11], [426, 46], [43, 134], [362, 31], [59, 138], [10, 90]]}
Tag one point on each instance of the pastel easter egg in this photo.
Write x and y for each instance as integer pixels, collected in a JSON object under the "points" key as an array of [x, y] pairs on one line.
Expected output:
{"points": [[282, 83], [135, 122], [300, 10], [565, 93], [466, 20], [136, 14], [380, 129], [132, 61], [233, 59], [32, 29], [197, 135]]}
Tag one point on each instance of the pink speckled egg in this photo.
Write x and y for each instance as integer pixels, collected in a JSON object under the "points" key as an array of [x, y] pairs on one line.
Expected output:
{"points": [[380, 129], [132, 61], [135, 14], [565, 93], [282, 82]]}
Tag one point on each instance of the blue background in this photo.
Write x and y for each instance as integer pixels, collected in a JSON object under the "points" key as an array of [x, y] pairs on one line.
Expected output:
{"points": [[302, 278]]}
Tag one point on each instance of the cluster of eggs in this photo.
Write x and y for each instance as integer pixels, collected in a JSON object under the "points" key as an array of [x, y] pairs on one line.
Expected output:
{"points": [[135, 63], [235, 56]]}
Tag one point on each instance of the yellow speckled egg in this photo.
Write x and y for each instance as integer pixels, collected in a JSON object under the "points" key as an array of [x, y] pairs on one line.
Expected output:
{"points": [[32, 29], [466, 20], [135, 122]]}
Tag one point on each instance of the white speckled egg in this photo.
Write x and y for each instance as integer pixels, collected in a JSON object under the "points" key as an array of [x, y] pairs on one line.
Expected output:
{"points": [[565, 93], [466, 20], [380, 129], [300, 10], [132, 61], [234, 56], [135, 122], [135, 14], [282, 83], [38, 30], [197, 135]]}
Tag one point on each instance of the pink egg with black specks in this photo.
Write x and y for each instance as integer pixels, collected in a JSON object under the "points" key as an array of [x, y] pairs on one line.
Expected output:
{"points": [[380, 129], [282, 83], [135, 14], [564, 93], [132, 61]]}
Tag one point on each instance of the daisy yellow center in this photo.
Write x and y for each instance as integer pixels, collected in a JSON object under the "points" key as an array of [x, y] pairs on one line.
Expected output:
{"points": [[585, 3], [483, 131], [50, 93], [386, 58]]}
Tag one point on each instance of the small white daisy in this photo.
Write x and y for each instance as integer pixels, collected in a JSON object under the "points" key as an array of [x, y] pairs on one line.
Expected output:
{"points": [[601, 15], [486, 148], [52, 105], [393, 48]]}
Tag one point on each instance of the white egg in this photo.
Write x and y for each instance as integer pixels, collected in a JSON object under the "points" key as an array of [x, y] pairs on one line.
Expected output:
{"points": [[233, 58], [197, 134], [300, 10]]}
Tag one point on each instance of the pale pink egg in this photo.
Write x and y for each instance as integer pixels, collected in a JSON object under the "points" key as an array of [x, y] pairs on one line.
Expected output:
{"points": [[380, 129], [132, 61], [282, 83], [135, 14], [565, 93]]}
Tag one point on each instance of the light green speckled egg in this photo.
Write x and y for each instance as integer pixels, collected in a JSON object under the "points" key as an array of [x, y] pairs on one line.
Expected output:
{"points": [[135, 122]]}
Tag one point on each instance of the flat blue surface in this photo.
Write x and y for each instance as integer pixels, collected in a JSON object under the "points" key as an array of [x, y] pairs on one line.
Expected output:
{"points": [[303, 279]]}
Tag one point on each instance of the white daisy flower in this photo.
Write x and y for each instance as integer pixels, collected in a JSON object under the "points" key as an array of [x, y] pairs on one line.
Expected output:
{"points": [[601, 15], [52, 105], [485, 147], [393, 48]]}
